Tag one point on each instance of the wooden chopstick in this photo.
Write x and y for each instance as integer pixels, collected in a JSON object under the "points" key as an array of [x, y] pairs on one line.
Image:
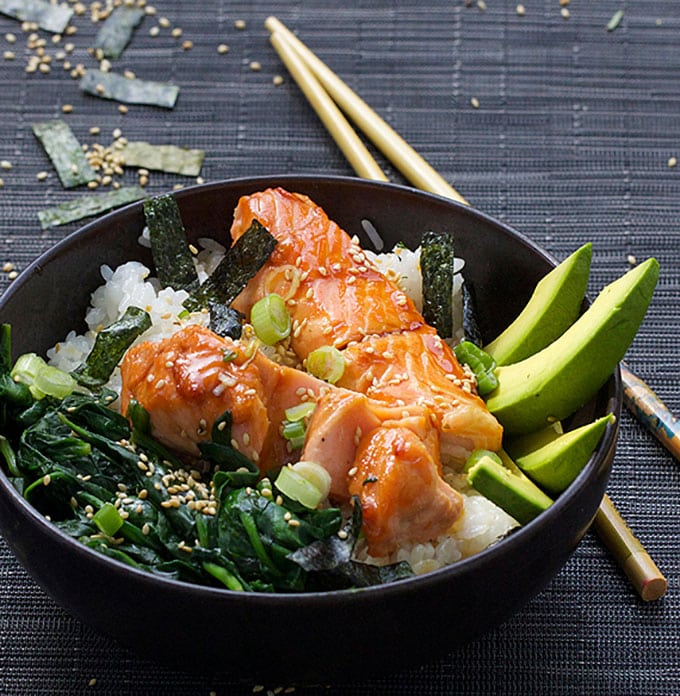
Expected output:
{"points": [[347, 140], [385, 138], [317, 82]]}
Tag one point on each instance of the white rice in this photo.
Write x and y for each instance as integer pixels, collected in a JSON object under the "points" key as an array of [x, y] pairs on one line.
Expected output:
{"points": [[131, 284]]}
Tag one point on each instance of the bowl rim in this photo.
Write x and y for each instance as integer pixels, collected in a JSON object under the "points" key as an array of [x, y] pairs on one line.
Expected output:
{"points": [[435, 577]]}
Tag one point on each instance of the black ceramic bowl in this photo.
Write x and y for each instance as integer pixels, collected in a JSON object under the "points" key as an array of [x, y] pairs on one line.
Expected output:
{"points": [[308, 637]]}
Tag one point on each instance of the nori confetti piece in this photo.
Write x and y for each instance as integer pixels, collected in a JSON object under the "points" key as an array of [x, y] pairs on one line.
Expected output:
{"points": [[436, 262], [86, 206], [54, 18], [225, 321], [117, 30], [163, 158], [169, 245], [110, 346], [241, 262], [109, 85], [65, 151]]}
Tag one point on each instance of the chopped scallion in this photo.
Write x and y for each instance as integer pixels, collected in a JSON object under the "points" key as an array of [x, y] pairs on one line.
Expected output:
{"points": [[297, 487], [294, 432], [481, 363], [326, 363], [270, 319], [302, 410], [108, 519]]}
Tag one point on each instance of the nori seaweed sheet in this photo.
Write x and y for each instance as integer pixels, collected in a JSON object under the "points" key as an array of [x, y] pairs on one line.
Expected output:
{"points": [[436, 261], [53, 18], [169, 245], [163, 158], [65, 151], [110, 346], [88, 205], [109, 85], [241, 262], [117, 30]]}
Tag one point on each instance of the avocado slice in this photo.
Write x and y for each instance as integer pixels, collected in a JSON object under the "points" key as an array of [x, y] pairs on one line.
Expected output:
{"points": [[552, 309], [514, 493], [551, 384], [554, 464]]}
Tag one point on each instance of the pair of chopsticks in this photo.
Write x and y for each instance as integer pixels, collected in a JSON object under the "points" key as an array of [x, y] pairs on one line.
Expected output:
{"points": [[331, 98]]}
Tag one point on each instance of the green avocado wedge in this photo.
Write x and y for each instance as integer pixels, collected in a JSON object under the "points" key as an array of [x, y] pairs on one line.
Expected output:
{"points": [[511, 491], [552, 309], [553, 383], [554, 464]]}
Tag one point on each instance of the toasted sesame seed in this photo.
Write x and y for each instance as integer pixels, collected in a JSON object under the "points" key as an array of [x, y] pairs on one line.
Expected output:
{"points": [[255, 66], [521, 10], [41, 176], [5, 164], [47, 479], [240, 24], [475, 102], [277, 80], [672, 162], [565, 13], [222, 49]]}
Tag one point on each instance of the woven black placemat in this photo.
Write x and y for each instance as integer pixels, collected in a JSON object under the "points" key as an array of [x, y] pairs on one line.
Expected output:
{"points": [[545, 120]]}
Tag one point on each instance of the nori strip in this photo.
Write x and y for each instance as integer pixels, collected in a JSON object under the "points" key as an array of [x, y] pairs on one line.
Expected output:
{"points": [[117, 30], [163, 158], [86, 206], [436, 262], [169, 245], [54, 18], [109, 85], [241, 262], [110, 346], [225, 321], [470, 325], [65, 151]]}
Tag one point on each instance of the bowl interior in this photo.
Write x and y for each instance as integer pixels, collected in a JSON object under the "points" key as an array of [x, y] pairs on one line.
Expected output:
{"points": [[503, 266]]}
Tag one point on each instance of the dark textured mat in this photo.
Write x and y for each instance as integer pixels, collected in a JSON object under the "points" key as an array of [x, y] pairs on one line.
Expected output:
{"points": [[570, 142]]}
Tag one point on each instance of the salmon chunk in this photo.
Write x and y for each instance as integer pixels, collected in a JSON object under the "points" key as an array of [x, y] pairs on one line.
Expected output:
{"points": [[187, 381], [333, 293], [403, 497], [418, 367]]}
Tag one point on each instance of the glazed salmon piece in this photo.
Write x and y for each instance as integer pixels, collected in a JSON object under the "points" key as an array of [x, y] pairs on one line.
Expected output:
{"points": [[333, 294], [418, 367], [339, 422], [403, 497], [187, 381]]}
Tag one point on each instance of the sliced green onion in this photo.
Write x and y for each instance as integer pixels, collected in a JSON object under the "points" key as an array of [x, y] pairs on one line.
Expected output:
{"points": [[481, 363], [26, 367], [297, 487], [300, 411], [108, 519], [42, 379], [326, 363], [54, 382], [315, 474], [270, 319], [294, 432]]}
